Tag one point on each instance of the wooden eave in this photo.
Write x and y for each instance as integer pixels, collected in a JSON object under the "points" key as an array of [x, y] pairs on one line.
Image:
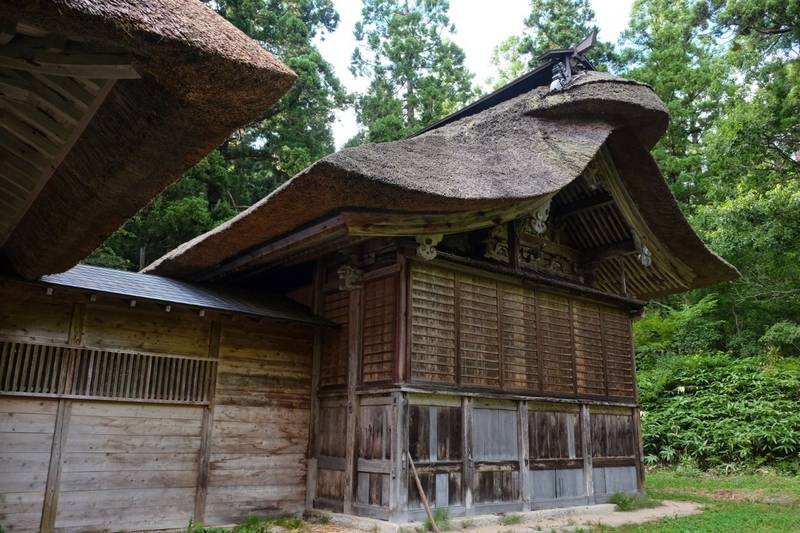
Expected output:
{"points": [[50, 89]]}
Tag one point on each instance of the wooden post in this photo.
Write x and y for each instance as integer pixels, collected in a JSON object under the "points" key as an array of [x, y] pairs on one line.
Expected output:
{"points": [[207, 428], [586, 450], [356, 315], [422, 496], [312, 451], [466, 468], [398, 488], [524, 471], [61, 430]]}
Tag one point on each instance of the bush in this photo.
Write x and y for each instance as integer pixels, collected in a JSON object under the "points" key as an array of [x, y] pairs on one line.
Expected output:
{"points": [[442, 518], [717, 411], [625, 502]]}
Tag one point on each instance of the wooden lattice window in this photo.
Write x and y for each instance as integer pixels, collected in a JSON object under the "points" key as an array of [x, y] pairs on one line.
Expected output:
{"points": [[433, 328], [46, 370], [380, 314], [478, 342]]}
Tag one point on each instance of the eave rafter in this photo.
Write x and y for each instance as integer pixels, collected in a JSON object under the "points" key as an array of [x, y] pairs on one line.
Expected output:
{"points": [[50, 89]]}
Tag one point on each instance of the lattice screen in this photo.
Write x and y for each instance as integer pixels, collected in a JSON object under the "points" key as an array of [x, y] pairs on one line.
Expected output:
{"points": [[41, 369]]}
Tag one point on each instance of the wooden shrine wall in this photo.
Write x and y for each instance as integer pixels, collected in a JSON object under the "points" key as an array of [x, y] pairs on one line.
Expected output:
{"points": [[121, 417], [474, 332]]}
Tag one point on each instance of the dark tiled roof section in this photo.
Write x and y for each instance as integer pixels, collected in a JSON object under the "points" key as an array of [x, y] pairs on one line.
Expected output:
{"points": [[171, 291]]}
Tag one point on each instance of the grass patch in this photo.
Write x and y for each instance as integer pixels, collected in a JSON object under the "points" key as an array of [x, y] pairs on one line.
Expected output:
{"points": [[442, 519], [253, 524], [626, 502], [511, 519], [773, 504]]}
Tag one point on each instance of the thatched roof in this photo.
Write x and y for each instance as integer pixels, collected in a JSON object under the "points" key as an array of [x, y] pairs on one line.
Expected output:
{"points": [[524, 148], [199, 79]]}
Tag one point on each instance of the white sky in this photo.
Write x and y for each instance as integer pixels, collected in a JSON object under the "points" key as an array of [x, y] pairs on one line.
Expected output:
{"points": [[480, 26]]}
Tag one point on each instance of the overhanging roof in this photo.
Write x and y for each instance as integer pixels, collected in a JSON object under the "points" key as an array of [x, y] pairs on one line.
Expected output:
{"points": [[138, 286], [103, 105]]}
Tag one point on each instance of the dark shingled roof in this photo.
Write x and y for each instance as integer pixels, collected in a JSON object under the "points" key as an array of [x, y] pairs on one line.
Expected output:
{"points": [[193, 66], [520, 149], [169, 291]]}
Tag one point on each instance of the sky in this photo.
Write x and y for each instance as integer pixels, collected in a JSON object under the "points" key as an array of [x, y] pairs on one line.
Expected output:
{"points": [[478, 31]]}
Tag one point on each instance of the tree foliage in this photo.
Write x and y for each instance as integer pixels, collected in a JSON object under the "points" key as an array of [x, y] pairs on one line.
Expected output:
{"points": [[550, 24], [416, 72], [291, 135]]}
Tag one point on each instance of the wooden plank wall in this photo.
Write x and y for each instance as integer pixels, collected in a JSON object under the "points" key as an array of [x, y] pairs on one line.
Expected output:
{"points": [[261, 421], [131, 466], [76, 461], [26, 436], [473, 331]]}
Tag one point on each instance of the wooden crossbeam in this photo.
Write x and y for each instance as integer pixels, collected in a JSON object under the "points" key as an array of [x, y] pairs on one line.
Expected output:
{"points": [[575, 208], [36, 118], [26, 133], [9, 182], [26, 154], [83, 60], [67, 88], [22, 87], [601, 253]]}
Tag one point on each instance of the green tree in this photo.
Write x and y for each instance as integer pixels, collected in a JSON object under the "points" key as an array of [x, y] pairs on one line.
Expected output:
{"points": [[291, 135], [550, 24], [417, 74]]}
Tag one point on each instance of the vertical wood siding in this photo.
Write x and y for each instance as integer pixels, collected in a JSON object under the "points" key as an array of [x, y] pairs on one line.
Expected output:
{"points": [[476, 332], [380, 318], [333, 363]]}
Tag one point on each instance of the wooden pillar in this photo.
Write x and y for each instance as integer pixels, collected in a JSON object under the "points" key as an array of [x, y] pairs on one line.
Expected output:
{"points": [[312, 451], [398, 488], [586, 450], [467, 470], [524, 473], [61, 430], [207, 427], [638, 448], [355, 320]]}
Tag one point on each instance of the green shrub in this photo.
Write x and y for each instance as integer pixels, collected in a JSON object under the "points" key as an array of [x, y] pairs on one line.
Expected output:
{"points": [[721, 412], [442, 518], [626, 502], [511, 519]]}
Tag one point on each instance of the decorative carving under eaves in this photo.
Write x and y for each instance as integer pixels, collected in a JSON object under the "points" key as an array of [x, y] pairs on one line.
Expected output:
{"points": [[426, 245], [350, 277], [536, 224], [497, 244]]}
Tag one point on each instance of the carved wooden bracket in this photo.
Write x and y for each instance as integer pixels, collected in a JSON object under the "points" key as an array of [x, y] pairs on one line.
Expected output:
{"points": [[350, 277], [537, 223], [426, 248]]}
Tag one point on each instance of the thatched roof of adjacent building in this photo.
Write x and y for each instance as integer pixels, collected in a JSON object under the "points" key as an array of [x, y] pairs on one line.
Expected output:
{"points": [[525, 148], [107, 103]]}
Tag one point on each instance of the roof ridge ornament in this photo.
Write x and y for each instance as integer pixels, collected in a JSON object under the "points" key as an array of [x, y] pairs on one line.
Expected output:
{"points": [[569, 60]]}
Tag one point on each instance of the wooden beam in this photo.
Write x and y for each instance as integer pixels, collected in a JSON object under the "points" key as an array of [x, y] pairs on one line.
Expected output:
{"points": [[586, 450], [355, 323], [312, 450], [615, 249], [68, 88], [22, 87], [36, 118], [61, 430], [31, 54], [398, 488], [28, 134], [581, 206], [24, 152], [467, 466], [207, 427], [59, 157], [524, 455]]}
